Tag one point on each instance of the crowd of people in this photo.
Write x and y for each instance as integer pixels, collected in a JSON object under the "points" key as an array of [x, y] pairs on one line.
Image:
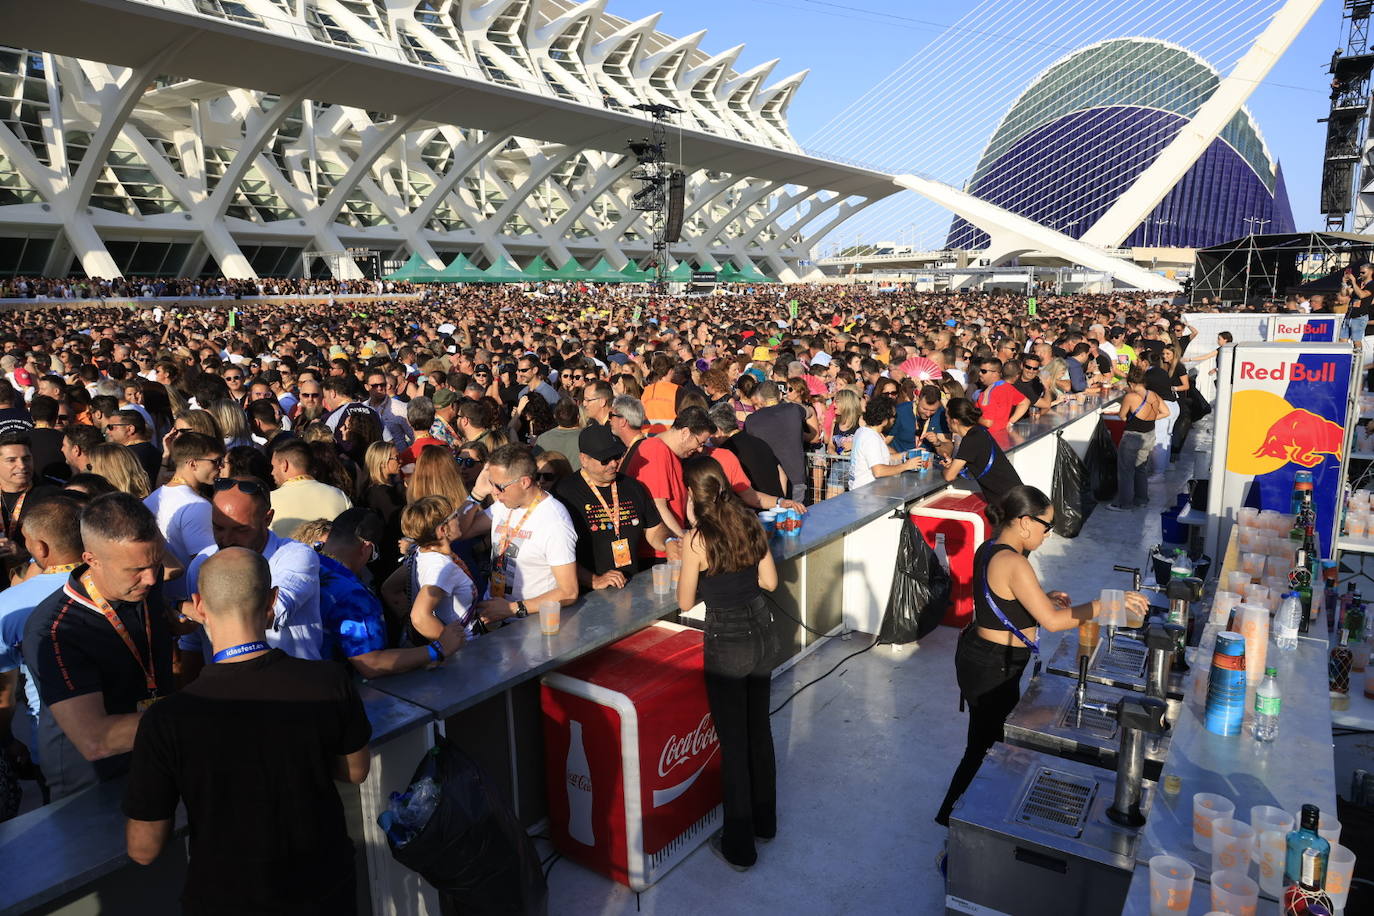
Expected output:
{"points": [[203, 287], [400, 477]]}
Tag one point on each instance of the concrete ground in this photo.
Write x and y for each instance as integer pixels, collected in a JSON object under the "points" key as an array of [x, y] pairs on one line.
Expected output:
{"points": [[864, 758]]}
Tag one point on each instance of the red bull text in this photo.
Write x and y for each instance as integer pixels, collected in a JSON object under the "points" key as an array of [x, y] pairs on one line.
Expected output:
{"points": [[1289, 372]]}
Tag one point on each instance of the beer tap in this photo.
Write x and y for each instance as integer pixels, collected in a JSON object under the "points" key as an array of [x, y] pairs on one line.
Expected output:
{"points": [[1137, 585], [1080, 693], [1137, 715], [1160, 640], [1182, 593]]}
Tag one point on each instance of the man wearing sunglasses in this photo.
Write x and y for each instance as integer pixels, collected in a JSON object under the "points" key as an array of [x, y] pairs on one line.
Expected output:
{"points": [[181, 506], [596, 402], [241, 516]]}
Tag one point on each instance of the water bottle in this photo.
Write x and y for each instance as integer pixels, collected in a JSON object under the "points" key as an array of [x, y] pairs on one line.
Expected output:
{"points": [[1183, 567], [420, 803], [1286, 622], [1268, 702]]}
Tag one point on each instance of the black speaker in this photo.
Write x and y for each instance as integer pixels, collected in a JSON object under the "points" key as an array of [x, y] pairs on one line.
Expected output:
{"points": [[677, 194]]}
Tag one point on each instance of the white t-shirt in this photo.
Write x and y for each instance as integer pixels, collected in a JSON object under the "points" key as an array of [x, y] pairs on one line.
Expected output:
{"points": [[183, 517], [545, 539], [869, 449], [439, 570]]}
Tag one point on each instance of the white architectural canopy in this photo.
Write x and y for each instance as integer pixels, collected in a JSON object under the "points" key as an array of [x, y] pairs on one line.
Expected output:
{"points": [[228, 136]]}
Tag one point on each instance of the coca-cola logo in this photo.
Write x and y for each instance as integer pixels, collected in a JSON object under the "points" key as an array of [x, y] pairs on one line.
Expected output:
{"points": [[677, 751]]}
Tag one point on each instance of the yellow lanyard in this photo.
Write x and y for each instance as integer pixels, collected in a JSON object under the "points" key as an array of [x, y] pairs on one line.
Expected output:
{"points": [[512, 534], [65, 567], [103, 606], [612, 511], [12, 517]]}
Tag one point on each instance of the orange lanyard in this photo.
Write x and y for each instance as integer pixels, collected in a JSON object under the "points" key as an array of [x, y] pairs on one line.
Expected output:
{"points": [[512, 534], [98, 601], [65, 567], [12, 517], [613, 511]]}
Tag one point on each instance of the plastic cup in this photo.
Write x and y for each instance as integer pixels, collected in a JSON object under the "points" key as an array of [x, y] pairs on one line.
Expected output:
{"points": [[1171, 885], [1271, 848], [1236, 580], [1112, 612], [1234, 893], [1253, 564], [1248, 517], [1232, 843], [550, 617], [1222, 603], [1207, 808], [1329, 829], [1257, 595], [1340, 868], [675, 570], [1356, 524], [663, 579], [1268, 817]]}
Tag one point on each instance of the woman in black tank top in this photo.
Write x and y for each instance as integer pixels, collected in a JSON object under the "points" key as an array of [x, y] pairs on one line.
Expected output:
{"points": [[1140, 408], [1009, 608], [726, 553]]}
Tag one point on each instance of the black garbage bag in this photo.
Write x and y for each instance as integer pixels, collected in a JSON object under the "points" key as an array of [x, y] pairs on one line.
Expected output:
{"points": [[1196, 405], [919, 595], [1072, 493], [1100, 461], [472, 849]]}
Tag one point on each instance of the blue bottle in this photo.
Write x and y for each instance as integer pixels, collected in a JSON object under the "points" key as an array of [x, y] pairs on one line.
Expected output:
{"points": [[1305, 837]]}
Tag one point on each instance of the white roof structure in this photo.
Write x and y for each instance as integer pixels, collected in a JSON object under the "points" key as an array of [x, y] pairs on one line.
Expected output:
{"points": [[229, 136]]}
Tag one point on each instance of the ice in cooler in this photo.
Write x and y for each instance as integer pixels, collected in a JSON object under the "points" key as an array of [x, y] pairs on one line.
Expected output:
{"points": [[632, 757]]}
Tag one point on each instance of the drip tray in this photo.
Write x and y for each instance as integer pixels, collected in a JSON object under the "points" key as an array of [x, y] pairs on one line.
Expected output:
{"points": [[1057, 801], [1094, 722], [1126, 660]]}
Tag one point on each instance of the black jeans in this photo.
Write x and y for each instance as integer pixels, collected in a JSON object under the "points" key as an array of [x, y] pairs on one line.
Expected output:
{"points": [[990, 683], [739, 652]]}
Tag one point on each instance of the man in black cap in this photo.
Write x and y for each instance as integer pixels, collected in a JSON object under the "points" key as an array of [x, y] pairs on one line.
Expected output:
{"points": [[612, 513]]}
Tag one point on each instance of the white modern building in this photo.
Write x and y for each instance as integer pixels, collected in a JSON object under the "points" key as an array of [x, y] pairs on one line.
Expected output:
{"points": [[237, 137]]}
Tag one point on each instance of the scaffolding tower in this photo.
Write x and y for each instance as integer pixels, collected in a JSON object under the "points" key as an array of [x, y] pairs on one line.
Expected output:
{"points": [[1348, 166]]}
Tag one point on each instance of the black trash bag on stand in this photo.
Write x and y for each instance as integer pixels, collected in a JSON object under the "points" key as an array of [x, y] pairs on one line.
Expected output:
{"points": [[920, 589], [1071, 494], [1101, 463], [472, 849]]}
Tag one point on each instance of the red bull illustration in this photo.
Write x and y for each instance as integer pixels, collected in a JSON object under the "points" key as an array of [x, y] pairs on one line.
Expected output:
{"points": [[1303, 437]]}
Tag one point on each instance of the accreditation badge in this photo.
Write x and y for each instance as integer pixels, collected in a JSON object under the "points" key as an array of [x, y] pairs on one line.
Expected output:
{"points": [[498, 583], [620, 552], [145, 703]]}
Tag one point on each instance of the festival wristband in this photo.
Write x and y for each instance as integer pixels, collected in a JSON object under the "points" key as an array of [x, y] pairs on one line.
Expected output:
{"points": [[236, 651], [436, 654]]}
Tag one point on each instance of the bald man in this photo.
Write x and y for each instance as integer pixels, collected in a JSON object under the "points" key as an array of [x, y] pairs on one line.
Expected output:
{"points": [[241, 516], [252, 747]]}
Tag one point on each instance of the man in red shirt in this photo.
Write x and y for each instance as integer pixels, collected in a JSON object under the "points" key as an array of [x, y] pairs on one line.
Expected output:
{"points": [[657, 464], [1000, 401], [420, 416]]}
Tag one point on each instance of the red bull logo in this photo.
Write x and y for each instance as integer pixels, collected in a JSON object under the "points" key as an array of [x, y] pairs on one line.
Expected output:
{"points": [[1289, 372], [1302, 437]]}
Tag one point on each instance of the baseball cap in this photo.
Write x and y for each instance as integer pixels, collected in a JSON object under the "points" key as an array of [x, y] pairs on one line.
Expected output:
{"points": [[444, 397], [597, 441], [481, 369], [762, 353], [820, 359]]}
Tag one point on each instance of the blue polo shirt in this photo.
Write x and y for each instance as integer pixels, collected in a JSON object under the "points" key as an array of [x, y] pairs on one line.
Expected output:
{"points": [[350, 612]]}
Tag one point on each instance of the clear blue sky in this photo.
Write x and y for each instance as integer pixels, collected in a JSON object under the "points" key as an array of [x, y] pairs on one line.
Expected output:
{"points": [[849, 45]]}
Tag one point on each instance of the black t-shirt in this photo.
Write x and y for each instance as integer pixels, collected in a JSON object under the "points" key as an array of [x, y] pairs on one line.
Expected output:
{"points": [[251, 747], [1145, 345], [595, 531], [1157, 380], [48, 463], [759, 463], [1104, 363], [149, 458], [1034, 389], [72, 650], [782, 427], [985, 463]]}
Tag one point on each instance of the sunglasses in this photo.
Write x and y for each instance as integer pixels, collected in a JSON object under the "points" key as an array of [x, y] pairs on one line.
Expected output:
{"points": [[503, 487], [309, 397], [251, 487], [233, 378], [217, 462], [467, 461], [1048, 526], [1029, 368]]}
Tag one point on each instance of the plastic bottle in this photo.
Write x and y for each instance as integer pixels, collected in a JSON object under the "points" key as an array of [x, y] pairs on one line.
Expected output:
{"points": [[1268, 702], [419, 806], [1182, 567], [578, 776], [940, 551], [1286, 622]]}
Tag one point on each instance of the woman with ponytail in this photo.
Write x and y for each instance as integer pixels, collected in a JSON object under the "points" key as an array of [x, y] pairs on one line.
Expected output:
{"points": [[726, 554], [1009, 608]]}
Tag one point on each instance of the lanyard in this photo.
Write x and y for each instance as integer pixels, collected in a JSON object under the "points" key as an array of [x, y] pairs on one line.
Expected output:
{"points": [[98, 601], [296, 478], [512, 534], [1015, 631], [241, 649], [987, 393], [65, 567], [613, 511], [12, 516], [963, 472]]}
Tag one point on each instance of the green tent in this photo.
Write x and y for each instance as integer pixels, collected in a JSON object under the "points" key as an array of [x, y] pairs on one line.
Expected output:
{"points": [[414, 269], [540, 269], [570, 271], [459, 271], [603, 272], [637, 274], [682, 273], [505, 271], [751, 274]]}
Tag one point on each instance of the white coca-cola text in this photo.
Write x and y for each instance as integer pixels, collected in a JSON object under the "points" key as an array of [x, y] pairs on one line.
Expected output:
{"points": [[679, 750]]}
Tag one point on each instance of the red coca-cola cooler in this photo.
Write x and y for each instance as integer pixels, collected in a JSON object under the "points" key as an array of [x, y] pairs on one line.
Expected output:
{"points": [[956, 520], [632, 758]]}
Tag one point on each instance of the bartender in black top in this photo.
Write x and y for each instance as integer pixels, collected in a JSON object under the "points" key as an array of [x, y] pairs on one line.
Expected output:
{"points": [[978, 456], [1009, 608], [100, 648], [613, 514]]}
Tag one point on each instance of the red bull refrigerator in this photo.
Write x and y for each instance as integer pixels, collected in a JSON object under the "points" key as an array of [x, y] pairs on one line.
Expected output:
{"points": [[1281, 408]]}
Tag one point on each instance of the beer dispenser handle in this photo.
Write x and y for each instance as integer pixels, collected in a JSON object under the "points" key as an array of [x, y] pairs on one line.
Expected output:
{"points": [[1135, 575], [1080, 693]]}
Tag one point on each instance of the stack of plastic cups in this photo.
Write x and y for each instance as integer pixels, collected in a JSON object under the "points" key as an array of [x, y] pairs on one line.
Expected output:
{"points": [[1254, 629], [1222, 603], [1225, 709], [768, 518], [1257, 595]]}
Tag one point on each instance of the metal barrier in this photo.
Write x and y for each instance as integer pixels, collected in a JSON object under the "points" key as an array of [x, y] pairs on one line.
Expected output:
{"points": [[827, 475]]}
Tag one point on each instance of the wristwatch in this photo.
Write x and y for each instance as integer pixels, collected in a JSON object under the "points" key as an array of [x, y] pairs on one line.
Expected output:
{"points": [[521, 611]]}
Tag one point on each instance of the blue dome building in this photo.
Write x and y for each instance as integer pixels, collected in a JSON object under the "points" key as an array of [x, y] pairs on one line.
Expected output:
{"points": [[1087, 127]]}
